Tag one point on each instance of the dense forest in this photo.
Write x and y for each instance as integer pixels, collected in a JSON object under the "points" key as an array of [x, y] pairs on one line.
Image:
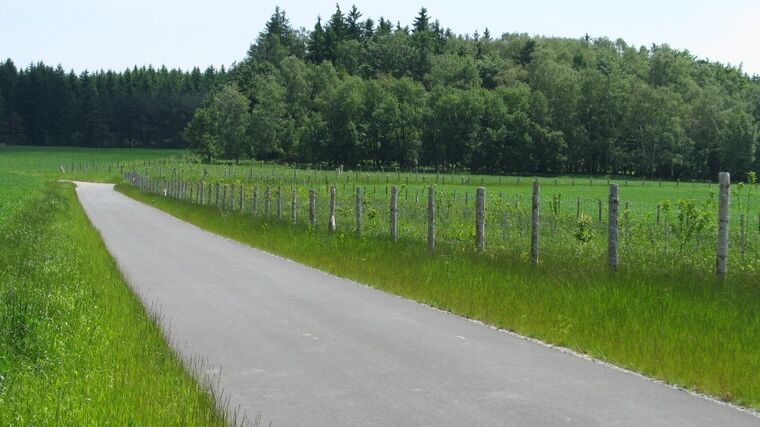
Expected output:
{"points": [[353, 91], [141, 107]]}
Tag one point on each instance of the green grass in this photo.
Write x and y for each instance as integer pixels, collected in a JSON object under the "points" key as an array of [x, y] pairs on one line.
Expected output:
{"points": [[683, 237], [76, 345], [670, 322]]}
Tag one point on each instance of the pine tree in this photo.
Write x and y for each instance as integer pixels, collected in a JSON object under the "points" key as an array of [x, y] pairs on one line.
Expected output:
{"points": [[276, 41], [384, 27], [422, 21], [353, 25], [316, 45], [335, 33]]}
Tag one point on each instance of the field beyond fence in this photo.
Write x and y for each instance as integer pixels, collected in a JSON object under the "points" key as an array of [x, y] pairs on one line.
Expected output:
{"points": [[656, 224]]}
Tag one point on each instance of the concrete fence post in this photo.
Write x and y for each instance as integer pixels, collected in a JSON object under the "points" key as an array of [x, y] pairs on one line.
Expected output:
{"points": [[431, 219], [535, 223], [480, 219], [331, 226], [358, 210], [394, 213], [312, 208], [721, 261], [612, 228]]}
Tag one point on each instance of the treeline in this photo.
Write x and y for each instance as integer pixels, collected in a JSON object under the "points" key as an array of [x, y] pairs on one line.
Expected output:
{"points": [[353, 91], [140, 107]]}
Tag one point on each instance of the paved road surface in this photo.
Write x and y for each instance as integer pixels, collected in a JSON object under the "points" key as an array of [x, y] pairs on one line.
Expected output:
{"points": [[305, 348]]}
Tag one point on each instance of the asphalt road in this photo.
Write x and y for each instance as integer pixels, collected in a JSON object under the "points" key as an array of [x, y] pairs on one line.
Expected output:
{"points": [[302, 347]]}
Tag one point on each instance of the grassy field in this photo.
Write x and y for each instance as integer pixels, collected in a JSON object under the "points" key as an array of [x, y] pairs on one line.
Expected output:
{"points": [[76, 345], [663, 225], [663, 314]]}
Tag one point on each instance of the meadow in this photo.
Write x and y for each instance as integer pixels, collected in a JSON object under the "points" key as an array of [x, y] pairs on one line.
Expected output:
{"points": [[76, 345], [663, 225], [663, 313]]}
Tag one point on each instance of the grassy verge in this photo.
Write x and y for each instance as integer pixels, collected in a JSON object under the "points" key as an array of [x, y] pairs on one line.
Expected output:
{"points": [[76, 346], [680, 326]]}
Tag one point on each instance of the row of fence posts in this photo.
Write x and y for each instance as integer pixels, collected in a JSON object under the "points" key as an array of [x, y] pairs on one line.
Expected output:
{"points": [[198, 193]]}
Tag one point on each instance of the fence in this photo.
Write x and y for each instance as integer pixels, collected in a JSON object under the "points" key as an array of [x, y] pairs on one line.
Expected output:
{"points": [[499, 222]]}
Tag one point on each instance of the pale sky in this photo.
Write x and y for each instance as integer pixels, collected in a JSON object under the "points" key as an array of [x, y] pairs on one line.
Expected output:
{"points": [[90, 34]]}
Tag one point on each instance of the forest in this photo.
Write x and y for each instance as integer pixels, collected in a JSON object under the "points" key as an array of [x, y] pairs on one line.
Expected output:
{"points": [[139, 107], [357, 92]]}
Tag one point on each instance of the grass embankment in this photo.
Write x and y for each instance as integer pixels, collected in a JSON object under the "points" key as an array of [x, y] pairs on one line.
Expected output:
{"points": [[76, 345], [680, 326]]}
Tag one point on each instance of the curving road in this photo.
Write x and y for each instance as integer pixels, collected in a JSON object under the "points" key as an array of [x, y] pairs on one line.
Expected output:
{"points": [[302, 347]]}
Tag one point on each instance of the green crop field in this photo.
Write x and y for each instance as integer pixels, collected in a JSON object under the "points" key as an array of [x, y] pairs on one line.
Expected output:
{"points": [[663, 313], [76, 346]]}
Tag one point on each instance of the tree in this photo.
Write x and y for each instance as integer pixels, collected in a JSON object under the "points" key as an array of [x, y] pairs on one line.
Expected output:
{"points": [[270, 127], [277, 41], [335, 33], [353, 25], [201, 136], [421, 22], [737, 154], [454, 71], [317, 44]]}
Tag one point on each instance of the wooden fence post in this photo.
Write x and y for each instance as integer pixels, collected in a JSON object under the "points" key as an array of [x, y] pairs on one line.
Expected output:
{"points": [[480, 219], [657, 218], [721, 262], [312, 208], [742, 236], [431, 219], [267, 201], [599, 202], [242, 198], [255, 200], [535, 223], [394, 213], [331, 226], [216, 194], [294, 205], [224, 197], [279, 203], [358, 211], [612, 228]]}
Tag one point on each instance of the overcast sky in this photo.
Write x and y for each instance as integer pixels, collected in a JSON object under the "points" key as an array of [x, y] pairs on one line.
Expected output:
{"points": [[89, 34]]}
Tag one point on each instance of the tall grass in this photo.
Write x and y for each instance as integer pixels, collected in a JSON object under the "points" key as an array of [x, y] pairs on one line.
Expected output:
{"points": [[76, 345], [676, 324]]}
